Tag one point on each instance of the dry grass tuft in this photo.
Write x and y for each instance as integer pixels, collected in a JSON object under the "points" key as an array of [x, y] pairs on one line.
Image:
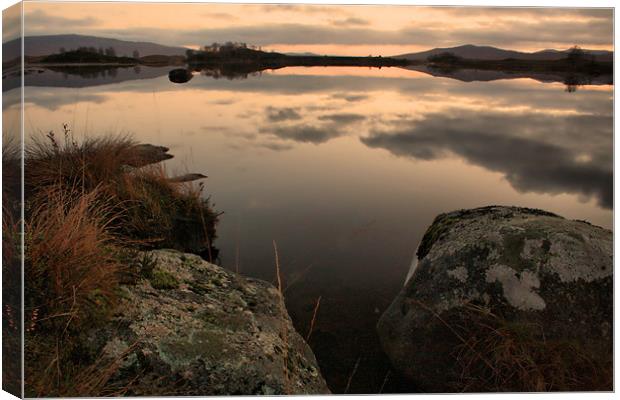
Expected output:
{"points": [[69, 253], [65, 161], [11, 266], [154, 211], [499, 355], [94, 378], [86, 202], [72, 274]]}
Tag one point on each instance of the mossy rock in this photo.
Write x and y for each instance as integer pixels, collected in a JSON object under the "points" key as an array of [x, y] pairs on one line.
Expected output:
{"points": [[537, 277], [192, 328], [163, 280]]}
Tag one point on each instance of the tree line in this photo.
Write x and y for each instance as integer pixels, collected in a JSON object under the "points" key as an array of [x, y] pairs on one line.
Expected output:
{"points": [[108, 51]]}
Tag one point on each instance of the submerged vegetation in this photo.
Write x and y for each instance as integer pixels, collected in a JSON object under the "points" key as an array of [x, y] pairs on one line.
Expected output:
{"points": [[90, 206]]}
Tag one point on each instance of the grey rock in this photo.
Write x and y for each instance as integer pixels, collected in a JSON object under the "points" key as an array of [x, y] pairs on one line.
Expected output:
{"points": [[187, 178], [531, 267], [144, 154], [193, 328]]}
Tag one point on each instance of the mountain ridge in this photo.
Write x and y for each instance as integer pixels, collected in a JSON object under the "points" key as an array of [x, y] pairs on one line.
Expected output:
{"points": [[42, 45], [494, 53]]}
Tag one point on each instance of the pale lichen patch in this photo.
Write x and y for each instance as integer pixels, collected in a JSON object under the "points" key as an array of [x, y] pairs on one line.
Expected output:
{"points": [[518, 291], [459, 273], [574, 260]]}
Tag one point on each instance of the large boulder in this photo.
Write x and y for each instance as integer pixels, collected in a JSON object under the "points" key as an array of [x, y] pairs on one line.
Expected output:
{"points": [[189, 327], [180, 75], [505, 298]]}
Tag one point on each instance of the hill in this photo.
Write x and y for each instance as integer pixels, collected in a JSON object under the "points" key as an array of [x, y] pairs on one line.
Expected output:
{"points": [[51, 44], [82, 56], [236, 60], [474, 52]]}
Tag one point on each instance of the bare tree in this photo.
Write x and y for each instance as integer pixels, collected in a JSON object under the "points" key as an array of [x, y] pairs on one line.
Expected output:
{"points": [[575, 54]]}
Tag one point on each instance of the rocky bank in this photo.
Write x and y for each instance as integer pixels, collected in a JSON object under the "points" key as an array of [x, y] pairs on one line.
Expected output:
{"points": [[188, 327], [505, 298]]}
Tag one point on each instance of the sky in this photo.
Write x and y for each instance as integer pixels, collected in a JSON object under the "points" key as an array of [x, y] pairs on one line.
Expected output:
{"points": [[323, 29]]}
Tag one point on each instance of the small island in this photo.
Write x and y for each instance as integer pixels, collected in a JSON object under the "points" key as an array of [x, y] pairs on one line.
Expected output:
{"points": [[234, 60]]}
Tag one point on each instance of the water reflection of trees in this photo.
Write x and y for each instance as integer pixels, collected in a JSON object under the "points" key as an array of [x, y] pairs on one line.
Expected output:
{"points": [[228, 73], [90, 72], [573, 82]]}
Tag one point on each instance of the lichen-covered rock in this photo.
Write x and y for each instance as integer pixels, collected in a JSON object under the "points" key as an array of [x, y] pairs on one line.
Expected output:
{"points": [[193, 328], [548, 276]]}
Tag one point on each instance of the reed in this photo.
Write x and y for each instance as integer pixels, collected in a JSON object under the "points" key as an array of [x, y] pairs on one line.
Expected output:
{"points": [[498, 355], [88, 204], [312, 322], [71, 277], [284, 319], [524, 359], [353, 372]]}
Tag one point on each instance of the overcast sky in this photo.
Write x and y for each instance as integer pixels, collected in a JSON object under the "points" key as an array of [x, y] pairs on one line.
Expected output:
{"points": [[354, 30]]}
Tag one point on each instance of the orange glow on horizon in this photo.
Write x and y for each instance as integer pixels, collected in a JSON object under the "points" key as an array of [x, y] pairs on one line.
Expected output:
{"points": [[334, 30]]}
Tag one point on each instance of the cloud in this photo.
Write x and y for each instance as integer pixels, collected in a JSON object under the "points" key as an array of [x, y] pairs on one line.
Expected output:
{"points": [[514, 33], [275, 146], [349, 97], [282, 114], [536, 152], [53, 100], [42, 19], [223, 102], [11, 23], [343, 119], [504, 33], [529, 12], [304, 9], [221, 16], [351, 21], [303, 133], [328, 127], [503, 27]]}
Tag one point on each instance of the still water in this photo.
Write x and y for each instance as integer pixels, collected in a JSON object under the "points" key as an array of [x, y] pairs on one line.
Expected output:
{"points": [[345, 168]]}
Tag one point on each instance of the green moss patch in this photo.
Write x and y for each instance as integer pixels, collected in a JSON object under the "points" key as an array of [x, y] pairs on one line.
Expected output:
{"points": [[163, 280], [440, 226]]}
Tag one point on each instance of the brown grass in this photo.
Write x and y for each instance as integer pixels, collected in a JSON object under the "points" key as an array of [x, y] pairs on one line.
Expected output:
{"points": [[94, 378], [353, 372], [385, 381], [11, 267], [71, 278], [313, 321], [284, 318], [64, 161], [499, 355], [70, 251], [155, 212], [84, 207]]}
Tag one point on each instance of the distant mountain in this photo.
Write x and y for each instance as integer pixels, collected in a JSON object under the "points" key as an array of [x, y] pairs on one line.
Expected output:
{"points": [[50, 44], [471, 75], [493, 53], [306, 54]]}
